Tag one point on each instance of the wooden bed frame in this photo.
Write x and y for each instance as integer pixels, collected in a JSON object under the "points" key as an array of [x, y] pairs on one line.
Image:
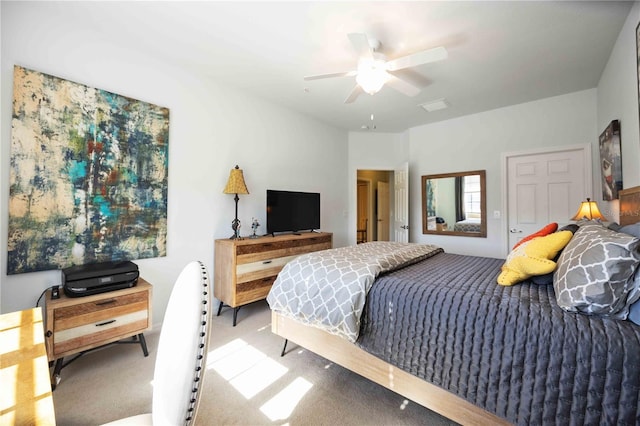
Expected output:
{"points": [[351, 357]]}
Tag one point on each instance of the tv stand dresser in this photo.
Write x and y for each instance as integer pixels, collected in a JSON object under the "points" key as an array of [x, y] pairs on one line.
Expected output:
{"points": [[245, 269]]}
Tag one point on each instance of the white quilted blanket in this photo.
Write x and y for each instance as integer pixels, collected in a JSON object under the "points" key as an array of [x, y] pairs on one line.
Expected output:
{"points": [[327, 289]]}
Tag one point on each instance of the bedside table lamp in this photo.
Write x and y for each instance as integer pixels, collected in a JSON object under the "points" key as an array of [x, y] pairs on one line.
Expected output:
{"points": [[236, 185], [589, 210]]}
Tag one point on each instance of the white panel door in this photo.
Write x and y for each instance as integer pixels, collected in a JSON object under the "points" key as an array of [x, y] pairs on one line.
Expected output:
{"points": [[401, 204], [544, 188]]}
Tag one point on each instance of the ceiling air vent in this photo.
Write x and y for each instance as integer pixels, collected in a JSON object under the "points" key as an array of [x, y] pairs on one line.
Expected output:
{"points": [[435, 105]]}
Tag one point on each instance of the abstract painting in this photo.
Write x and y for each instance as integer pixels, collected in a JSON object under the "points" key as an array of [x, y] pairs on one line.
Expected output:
{"points": [[611, 161], [88, 175]]}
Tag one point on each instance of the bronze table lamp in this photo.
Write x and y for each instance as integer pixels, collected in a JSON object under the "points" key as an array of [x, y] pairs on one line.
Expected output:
{"points": [[236, 185]]}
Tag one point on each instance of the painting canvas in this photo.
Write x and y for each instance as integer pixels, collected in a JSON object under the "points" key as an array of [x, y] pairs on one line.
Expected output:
{"points": [[611, 161], [88, 175]]}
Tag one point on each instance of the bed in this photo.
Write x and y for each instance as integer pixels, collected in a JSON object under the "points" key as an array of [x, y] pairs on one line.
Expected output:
{"points": [[441, 332], [467, 225], [431, 223]]}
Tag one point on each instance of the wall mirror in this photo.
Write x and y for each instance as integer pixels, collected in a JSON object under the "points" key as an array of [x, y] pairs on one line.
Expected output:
{"points": [[454, 204]]}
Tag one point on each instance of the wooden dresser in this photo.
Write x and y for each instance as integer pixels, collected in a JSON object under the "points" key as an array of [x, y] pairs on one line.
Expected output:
{"points": [[75, 325], [245, 269]]}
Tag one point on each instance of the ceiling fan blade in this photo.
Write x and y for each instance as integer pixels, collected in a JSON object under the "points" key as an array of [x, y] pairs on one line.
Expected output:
{"points": [[335, 74], [357, 90], [424, 57], [402, 86], [361, 45]]}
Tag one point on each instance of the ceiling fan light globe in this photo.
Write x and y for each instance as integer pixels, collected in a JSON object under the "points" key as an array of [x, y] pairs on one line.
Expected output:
{"points": [[370, 87], [372, 75]]}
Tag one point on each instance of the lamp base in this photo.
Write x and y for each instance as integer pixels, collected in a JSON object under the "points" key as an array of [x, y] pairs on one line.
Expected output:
{"points": [[235, 225]]}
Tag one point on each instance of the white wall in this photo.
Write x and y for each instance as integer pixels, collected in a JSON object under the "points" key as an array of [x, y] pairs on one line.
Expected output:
{"points": [[212, 128], [618, 100]]}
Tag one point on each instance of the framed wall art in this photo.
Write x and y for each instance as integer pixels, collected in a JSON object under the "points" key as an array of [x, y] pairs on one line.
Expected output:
{"points": [[88, 175], [611, 161]]}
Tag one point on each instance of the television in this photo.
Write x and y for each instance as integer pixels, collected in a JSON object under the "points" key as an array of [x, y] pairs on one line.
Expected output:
{"points": [[291, 211]]}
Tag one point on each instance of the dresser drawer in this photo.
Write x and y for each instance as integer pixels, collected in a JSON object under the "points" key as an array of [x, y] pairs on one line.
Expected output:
{"points": [[278, 244], [98, 311], [262, 268], [281, 252], [99, 332], [250, 291]]}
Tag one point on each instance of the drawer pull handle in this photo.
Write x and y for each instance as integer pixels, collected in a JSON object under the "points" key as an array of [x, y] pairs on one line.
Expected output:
{"points": [[105, 302], [266, 262], [100, 324]]}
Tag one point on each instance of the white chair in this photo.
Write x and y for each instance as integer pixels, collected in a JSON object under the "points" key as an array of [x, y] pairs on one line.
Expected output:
{"points": [[182, 352]]}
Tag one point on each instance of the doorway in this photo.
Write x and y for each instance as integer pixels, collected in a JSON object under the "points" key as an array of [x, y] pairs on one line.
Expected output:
{"points": [[373, 217], [362, 228]]}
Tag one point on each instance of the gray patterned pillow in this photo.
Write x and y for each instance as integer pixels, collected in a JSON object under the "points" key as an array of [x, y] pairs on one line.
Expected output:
{"points": [[595, 272]]}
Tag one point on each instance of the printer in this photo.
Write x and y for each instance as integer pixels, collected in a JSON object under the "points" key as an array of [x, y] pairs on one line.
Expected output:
{"points": [[85, 280]]}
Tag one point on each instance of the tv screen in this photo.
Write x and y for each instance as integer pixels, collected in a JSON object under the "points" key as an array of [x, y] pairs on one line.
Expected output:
{"points": [[290, 211]]}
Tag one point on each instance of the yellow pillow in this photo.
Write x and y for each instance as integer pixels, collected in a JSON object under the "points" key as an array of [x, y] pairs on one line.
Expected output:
{"points": [[533, 258]]}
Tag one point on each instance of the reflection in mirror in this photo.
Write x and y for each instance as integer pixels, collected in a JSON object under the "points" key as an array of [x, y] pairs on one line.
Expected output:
{"points": [[454, 204]]}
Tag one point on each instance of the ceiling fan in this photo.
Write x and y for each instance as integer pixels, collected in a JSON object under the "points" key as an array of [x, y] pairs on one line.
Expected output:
{"points": [[374, 71]]}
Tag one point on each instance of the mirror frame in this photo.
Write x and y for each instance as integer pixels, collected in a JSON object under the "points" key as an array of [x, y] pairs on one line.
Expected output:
{"points": [[483, 204]]}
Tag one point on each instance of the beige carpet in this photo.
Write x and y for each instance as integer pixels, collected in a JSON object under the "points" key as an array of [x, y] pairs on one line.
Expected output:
{"points": [[247, 383]]}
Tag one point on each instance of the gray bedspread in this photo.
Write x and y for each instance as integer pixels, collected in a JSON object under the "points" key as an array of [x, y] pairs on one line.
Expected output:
{"points": [[510, 350]]}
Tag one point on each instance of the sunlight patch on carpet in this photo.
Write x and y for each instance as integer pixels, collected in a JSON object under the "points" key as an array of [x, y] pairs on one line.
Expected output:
{"points": [[232, 359], [246, 368], [282, 405], [258, 377]]}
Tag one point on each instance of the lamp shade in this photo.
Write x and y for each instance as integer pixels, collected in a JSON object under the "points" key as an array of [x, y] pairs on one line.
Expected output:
{"points": [[588, 210], [235, 184]]}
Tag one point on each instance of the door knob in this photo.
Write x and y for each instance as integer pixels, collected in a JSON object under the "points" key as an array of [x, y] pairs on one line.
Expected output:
{"points": [[515, 231], [404, 226]]}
